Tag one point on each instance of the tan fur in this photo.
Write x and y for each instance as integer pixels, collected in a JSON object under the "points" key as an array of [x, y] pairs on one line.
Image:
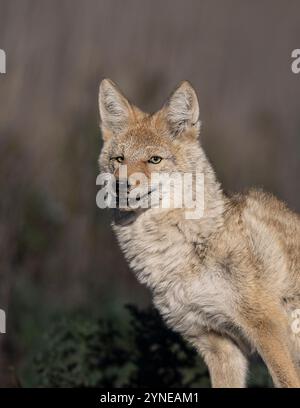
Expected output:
{"points": [[227, 282]]}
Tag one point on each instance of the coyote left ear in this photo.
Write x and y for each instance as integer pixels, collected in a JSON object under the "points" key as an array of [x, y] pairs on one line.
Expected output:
{"points": [[182, 109]]}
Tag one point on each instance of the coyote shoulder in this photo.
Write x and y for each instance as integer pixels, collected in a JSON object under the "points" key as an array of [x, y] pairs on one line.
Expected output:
{"points": [[229, 282]]}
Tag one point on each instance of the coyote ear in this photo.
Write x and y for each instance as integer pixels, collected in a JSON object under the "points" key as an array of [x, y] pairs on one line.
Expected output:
{"points": [[114, 108], [182, 109]]}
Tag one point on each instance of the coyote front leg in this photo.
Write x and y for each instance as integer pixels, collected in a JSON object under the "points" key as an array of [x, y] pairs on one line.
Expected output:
{"points": [[226, 363], [269, 331]]}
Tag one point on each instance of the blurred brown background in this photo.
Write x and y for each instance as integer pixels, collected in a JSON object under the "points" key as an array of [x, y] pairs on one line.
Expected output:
{"points": [[56, 248]]}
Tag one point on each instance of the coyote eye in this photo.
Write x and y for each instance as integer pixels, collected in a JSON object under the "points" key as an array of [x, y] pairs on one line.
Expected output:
{"points": [[119, 159], [155, 160]]}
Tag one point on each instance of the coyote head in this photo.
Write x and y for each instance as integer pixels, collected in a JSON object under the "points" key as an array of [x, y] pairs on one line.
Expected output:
{"points": [[163, 142]]}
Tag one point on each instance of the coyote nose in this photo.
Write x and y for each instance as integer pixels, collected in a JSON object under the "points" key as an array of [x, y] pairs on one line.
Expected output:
{"points": [[122, 190], [122, 186], [125, 185]]}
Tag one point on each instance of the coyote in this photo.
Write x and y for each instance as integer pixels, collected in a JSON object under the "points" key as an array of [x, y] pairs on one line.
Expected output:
{"points": [[229, 282]]}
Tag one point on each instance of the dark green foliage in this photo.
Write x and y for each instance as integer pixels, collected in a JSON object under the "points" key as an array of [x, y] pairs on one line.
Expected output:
{"points": [[87, 352], [160, 356], [135, 350], [80, 353]]}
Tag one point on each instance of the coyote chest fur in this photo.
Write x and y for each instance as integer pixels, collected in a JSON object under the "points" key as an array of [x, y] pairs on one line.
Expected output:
{"points": [[229, 281], [190, 294]]}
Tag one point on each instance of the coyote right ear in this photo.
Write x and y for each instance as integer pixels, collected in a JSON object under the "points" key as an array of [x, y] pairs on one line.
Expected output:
{"points": [[115, 110]]}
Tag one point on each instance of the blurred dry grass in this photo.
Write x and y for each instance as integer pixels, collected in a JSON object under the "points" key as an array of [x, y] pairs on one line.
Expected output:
{"points": [[237, 55]]}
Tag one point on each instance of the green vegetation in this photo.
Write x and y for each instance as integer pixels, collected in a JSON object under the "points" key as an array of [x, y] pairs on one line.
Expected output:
{"points": [[134, 350]]}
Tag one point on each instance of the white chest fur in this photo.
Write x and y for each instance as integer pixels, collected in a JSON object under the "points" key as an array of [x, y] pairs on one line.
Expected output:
{"points": [[189, 294]]}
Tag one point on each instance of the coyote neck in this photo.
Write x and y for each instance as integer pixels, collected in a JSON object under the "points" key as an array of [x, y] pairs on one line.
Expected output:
{"points": [[214, 202]]}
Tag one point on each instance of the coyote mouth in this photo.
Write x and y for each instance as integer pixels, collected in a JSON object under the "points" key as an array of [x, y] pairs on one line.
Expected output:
{"points": [[126, 217], [126, 199], [146, 195]]}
